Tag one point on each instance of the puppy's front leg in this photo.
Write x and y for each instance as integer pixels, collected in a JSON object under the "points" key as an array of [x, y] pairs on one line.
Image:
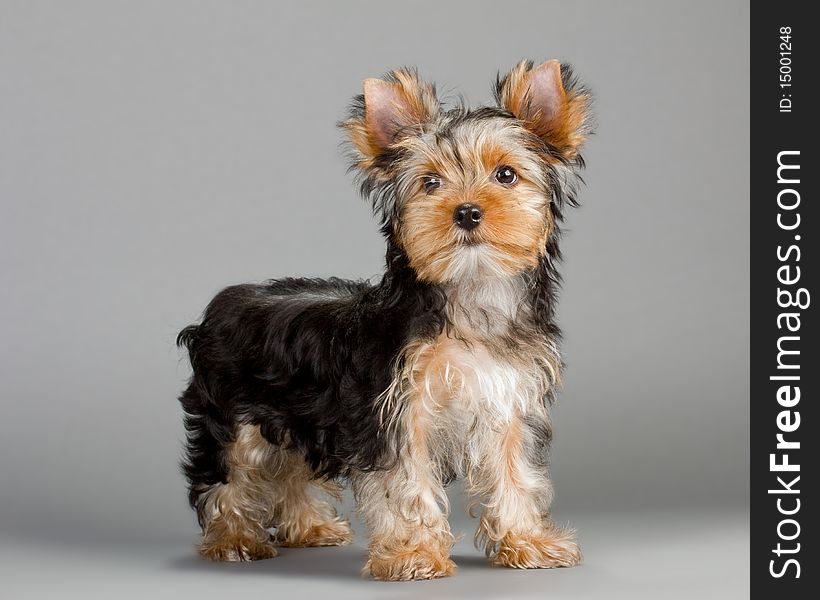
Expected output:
{"points": [[509, 476], [404, 510]]}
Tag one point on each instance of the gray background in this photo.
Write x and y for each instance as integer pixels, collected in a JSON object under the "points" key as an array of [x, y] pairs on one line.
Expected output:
{"points": [[154, 152]]}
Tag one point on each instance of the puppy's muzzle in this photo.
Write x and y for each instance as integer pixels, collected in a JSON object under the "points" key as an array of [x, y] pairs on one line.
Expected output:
{"points": [[467, 216]]}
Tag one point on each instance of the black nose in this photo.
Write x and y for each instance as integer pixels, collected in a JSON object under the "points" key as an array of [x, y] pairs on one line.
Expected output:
{"points": [[467, 216]]}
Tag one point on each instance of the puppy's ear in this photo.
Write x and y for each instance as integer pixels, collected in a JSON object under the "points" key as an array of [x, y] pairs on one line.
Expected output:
{"points": [[550, 102], [389, 110]]}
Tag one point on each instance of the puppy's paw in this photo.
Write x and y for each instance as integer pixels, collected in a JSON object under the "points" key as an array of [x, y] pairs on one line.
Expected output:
{"points": [[327, 533], [409, 564], [237, 549], [548, 549]]}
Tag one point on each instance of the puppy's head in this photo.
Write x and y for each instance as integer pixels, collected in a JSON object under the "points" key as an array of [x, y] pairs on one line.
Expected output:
{"points": [[470, 193]]}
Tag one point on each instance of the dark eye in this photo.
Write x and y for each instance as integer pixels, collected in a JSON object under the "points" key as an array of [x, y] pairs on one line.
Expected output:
{"points": [[431, 182], [506, 176]]}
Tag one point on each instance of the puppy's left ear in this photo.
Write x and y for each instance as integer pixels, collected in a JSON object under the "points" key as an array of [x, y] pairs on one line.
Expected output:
{"points": [[550, 102]]}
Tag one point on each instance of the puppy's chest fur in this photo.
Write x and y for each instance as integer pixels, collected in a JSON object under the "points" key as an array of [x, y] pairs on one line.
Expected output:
{"points": [[491, 365]]}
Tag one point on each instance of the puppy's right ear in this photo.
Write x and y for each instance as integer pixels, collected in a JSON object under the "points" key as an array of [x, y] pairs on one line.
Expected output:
{"points": [[390, 110]]}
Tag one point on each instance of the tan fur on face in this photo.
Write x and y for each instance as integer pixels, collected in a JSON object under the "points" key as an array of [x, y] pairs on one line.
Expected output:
{"points": [[516, 220], [267, 486]]}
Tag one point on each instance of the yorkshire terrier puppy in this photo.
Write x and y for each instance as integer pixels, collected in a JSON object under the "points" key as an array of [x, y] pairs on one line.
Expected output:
{"points": [[445, 368]]}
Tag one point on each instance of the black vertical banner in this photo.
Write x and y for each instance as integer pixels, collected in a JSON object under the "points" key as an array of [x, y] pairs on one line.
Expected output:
{"points": [[784, 266]]}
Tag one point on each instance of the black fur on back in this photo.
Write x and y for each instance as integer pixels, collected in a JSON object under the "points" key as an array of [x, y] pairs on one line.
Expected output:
{"points": [[305, 359]]}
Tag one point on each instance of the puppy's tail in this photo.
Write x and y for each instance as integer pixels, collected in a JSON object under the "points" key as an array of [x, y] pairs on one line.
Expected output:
{"points": [[188, 337], [207, 431]]}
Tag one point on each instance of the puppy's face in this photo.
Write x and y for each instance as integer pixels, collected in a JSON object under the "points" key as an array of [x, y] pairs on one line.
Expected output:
{"points": [[469, 194], [472, 199]]}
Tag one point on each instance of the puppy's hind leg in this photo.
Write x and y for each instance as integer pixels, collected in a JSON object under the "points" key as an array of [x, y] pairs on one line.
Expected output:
{"points": [[300, 518], [234, 515]]}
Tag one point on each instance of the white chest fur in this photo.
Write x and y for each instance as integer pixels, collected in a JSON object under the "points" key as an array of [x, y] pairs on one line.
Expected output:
{"points": [[492, 362], [467, 376], [491, 365]]}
